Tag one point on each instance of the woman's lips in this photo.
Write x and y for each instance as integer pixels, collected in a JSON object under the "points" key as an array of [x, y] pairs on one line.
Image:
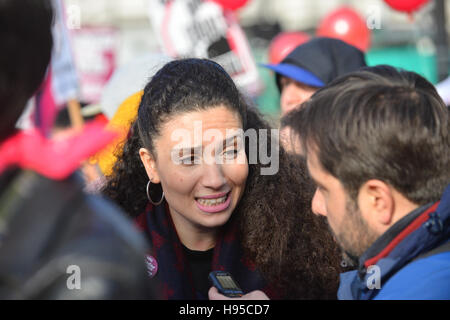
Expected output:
{"points": [[214, 196], [214, 203]]}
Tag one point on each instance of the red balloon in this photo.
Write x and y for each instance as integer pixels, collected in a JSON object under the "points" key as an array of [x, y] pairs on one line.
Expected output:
{"points": [[284, 43], [231, 4], [406, 5], [347, 25]]}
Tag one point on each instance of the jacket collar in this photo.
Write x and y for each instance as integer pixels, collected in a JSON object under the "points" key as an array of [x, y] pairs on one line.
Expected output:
{"points": [[418, 232], [389, 240]]}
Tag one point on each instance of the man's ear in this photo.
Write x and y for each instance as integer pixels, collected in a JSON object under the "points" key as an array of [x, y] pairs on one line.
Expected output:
{"points": [[149, 162], [377, 203]]}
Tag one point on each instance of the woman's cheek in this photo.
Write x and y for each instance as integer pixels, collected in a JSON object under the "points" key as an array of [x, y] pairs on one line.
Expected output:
{"points": [[237, 173]]}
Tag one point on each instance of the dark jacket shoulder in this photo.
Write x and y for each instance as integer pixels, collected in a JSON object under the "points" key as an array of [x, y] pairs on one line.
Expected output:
{"points": [[61, 243]]}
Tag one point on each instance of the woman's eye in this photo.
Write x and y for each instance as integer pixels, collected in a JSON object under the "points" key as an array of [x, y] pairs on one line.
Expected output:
{"points": [[231, 153], [188, 160]]}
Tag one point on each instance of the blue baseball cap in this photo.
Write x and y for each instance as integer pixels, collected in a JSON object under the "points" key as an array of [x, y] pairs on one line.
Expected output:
{"points": [[318, 62], [296, 73]]}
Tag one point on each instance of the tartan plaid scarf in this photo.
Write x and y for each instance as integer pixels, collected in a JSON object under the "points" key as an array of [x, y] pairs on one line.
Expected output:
{"points": [[173, 272]]}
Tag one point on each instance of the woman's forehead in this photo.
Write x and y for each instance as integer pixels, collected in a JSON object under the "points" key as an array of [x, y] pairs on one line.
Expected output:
{"points": [[197, 129], [219, 118]]}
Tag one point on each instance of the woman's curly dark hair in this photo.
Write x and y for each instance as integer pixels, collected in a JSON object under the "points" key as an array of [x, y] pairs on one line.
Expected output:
{"points": [[289, 245]]}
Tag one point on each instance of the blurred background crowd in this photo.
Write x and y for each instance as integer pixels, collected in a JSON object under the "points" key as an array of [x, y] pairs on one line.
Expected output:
{"points": [[105, 51], [106, 35]]}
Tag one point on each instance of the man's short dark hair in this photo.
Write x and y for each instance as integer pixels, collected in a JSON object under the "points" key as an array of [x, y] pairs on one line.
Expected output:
{"points": [[26, 38], [380, 123]]}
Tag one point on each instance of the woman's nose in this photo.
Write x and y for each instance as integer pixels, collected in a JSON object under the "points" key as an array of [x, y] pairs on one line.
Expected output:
{"points": [[213, 176]]}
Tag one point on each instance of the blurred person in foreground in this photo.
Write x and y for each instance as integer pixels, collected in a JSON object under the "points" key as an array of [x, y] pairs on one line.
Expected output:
{"points": [[377, 146], [55, 241]]}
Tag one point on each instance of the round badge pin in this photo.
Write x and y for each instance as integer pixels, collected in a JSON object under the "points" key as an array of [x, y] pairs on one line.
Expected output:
{"points": [[152, 265]]}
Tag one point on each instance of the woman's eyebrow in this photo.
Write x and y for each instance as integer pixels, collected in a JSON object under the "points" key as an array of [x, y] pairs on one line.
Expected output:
{"points": [[187, 151], [230, 141]]}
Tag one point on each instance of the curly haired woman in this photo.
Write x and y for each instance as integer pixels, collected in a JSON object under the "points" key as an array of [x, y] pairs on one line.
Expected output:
{"points": [[193, 184]]}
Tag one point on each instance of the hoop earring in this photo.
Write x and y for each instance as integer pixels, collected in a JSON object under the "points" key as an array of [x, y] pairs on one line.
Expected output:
{"points": [[150, 199]]}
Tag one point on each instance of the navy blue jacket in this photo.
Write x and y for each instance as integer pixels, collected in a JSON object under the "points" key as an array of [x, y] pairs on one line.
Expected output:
{"points": [[394, 267]]}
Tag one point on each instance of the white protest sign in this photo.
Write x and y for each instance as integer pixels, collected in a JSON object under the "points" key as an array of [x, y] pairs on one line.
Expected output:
{"points": [[203, 29]]}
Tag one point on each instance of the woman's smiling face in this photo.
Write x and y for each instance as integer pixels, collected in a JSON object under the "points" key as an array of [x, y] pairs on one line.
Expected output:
{"points": [[202, 167]]}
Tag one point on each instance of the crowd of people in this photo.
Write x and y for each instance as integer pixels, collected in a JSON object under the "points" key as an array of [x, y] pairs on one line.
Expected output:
{"points": [[352, 201]]}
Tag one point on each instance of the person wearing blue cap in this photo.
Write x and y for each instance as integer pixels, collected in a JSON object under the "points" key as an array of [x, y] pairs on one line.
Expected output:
{"points": [[313, 65]]}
